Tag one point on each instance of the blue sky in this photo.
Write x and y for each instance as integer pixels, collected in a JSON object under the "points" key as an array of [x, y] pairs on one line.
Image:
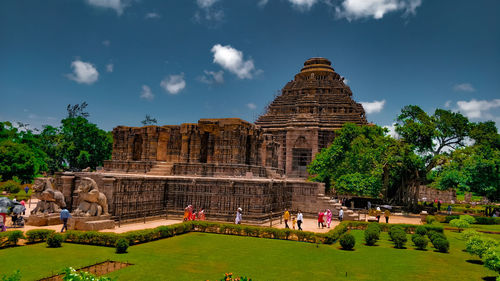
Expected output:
{"points": [[183, 60]]}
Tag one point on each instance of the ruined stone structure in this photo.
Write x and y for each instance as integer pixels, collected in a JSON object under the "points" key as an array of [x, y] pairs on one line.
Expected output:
{"points": [[223, 164], [303, 119]]}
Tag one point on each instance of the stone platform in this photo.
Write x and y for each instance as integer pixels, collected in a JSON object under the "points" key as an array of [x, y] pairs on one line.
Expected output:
{"points": [[91, 223], [43, 220]]}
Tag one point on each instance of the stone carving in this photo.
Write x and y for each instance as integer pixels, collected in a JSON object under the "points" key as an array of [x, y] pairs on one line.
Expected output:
{"points": [[91, 201], [51, 201]]}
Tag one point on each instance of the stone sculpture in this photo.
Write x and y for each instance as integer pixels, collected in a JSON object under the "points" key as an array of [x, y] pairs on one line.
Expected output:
{"points": [[92, 202], [51, 201]]}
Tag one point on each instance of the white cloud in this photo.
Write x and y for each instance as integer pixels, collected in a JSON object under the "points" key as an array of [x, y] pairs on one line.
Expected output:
{"points": [[356, 9], [205, 3], [117, 5], [262, 3], [303, 4], [251, 106], [152, 16], [464, 87], [447, 104], [478, 108], [212, 77], [83, 72], [373, 107], [109, 67], [208, 12], [146, 93], [106, 43], [232, 60], [392, 131], [173, 83]]}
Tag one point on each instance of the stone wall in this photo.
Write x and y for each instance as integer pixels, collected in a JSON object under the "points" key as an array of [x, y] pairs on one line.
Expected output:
{"points": [[430, 194]]}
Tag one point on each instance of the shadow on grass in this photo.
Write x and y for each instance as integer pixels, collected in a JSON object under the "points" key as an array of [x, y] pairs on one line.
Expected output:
{"points": [[489, 278], [480, 262]]}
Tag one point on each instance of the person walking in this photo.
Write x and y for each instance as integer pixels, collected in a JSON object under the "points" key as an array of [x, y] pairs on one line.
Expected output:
{"points": [[378, 212], [387, 213], [201, 214], [238, 216], [328, 218], [341, 214], [65, 215], [300, 219], [321, 215], [369, 205], [286, 217], [24, 205], [439, 205], [27, 189], [449, 209]]}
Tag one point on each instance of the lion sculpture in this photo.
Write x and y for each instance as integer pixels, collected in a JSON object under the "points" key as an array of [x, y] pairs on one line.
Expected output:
{"points": [[50, 200], [91, 202]]}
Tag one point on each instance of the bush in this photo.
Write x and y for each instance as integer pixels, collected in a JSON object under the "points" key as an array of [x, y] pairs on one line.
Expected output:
{"points": [[442, 245], [121, 246], [421, 230], [460, 224], [430, 219], [55, 240], [38, 235], [467, 218], [347, 241], [487, 220], [435, 235], [12, 237], [394, 229], [478, 245], [450, 218], [492, 259], [399, 238], [11, 186], [371, 236], [420, 241]]}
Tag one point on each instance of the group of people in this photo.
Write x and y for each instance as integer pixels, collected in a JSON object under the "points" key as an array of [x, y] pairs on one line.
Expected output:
{"points": [[299, 219], [325, 217], [191, 215]]}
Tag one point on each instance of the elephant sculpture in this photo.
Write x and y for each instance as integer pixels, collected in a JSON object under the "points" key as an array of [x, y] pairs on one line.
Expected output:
{"points": [[91, 202], [50, 200]]}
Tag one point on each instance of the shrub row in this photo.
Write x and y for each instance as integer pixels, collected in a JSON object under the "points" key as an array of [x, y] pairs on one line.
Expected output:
{"points": [[408, 228], [38, 235], [398, 236], [10, 238], [439, 241], [478, 220]]}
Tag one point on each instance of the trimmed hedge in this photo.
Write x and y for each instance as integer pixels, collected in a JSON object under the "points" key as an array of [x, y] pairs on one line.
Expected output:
{"points": [[10, 238], [420, 241], [442, 245], [38, 235], [372, 234], [347, 241], [55, 240], [408, 228], [122, 246], [487, 220]]}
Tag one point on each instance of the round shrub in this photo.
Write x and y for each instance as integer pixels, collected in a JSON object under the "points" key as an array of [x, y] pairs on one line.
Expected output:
{"points": [[460, 224], [435, 235], [54, 240], [430, 219], [442, 245], [121, 246], [467, 218], [399, 238], [421, 230], [374, 227], [420, 241], [395, 228], [347, 241], [372, 236]]}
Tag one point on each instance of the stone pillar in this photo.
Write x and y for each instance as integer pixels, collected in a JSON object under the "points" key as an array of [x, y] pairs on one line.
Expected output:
{"points": [[68, 185], [108, 190]]}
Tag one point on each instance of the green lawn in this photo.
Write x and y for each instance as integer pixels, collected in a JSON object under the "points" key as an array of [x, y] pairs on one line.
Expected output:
{"points": [[202, 256]]}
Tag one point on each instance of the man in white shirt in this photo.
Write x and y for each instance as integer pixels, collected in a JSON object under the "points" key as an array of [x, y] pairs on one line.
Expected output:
{"points": [[300, 219], [341, 215]]}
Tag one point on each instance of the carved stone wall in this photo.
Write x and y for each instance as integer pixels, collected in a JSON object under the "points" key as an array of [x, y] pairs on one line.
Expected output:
{"points": [[430, 194]]}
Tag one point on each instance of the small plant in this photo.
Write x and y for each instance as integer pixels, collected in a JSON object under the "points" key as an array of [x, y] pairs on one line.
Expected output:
{"points": [[399, 238], [72, 275], [55, 240], [468, 234], [442, 245], [491, 259], [229, 277], [122, 246], [479, 245], [421, 230], [467, 218], [13, 237], [347, 241], [16, 276], [420, 241], [430, 219], [460, 224], [371, 236]]}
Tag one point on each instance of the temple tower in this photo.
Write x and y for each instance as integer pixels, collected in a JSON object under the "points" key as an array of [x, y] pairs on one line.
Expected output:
{"points": [[304, 117]]}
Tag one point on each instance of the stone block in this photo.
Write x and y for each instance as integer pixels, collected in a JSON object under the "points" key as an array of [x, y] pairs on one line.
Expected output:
{"points": [[36, 220], [97, 225]]}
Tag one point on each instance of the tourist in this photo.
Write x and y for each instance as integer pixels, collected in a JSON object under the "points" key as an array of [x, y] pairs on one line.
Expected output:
{"points": [[286, 217], [387, 213], [26, 189], [341, 214], [378, 214], [192, 216], [439, 205], [65, 215], [300, 219], [293, 222], [24, 205], [321, 214], [449, 209], [15, 199], [238, 216], [187, 213], [369, 204], [201, 215], [328, 218]]}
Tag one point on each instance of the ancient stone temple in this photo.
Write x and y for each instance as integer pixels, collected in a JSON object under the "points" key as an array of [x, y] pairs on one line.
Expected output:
{"points": [[303, 119], [223, 164]]}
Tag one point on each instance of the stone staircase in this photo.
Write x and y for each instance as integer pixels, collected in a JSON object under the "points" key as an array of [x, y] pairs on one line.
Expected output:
{"points": [[161, 169], [324, 202]]}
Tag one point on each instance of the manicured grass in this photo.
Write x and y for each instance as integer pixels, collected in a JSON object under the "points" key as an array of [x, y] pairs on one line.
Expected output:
{"points": [[202, 256]]}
